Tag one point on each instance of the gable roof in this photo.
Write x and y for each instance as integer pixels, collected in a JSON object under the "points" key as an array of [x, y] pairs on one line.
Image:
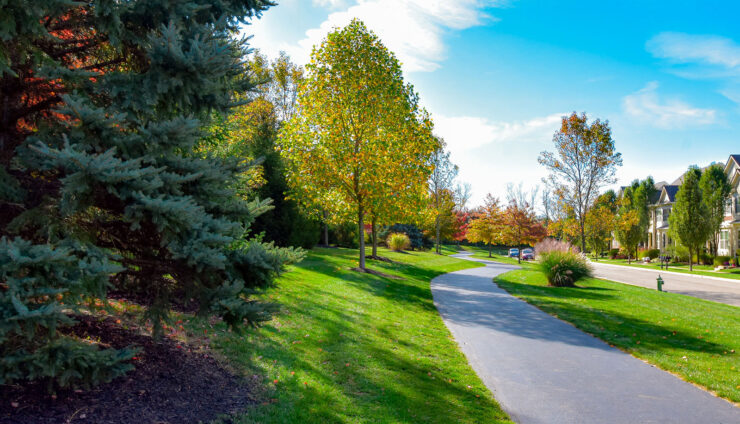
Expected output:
{"points": [[736, 158], [670, 191]]}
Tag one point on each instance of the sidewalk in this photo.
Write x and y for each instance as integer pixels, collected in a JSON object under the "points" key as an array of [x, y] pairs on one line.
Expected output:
{"points": [[543, 370]]}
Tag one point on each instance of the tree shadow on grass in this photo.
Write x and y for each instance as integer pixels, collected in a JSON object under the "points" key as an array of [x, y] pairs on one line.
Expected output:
{"points": [[360, 371], [609, 325]]}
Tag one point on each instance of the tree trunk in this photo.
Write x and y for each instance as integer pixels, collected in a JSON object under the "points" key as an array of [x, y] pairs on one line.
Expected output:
{"points": [[691, 259], [326, 229], [583, 235], [375, 238], [490, 247], [361, 234], [519, 254], [437, 225]]}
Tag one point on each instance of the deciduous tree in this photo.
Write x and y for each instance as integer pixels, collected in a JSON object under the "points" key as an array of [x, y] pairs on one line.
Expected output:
{"points": [[599, 228], [486, 226], [521, 226], [690, 221], [358, 134], [715, 191], [584, 160], [441, 185]]}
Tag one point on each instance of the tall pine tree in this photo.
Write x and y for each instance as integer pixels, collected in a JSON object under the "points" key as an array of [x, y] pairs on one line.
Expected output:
{"points": [[102, 182]]}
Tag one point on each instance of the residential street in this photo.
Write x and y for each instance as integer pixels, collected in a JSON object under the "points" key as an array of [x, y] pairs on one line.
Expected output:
{"points": [[545, 371], [710, 288]]}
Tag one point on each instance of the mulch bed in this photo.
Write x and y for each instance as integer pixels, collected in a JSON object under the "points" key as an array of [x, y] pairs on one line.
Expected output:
{"points": [[171, 384]]}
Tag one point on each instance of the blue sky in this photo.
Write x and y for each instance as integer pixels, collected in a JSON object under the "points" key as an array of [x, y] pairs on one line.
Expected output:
{"points": [[498, 75]]}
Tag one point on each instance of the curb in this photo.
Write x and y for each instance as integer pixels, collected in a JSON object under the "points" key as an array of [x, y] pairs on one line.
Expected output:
{"points": [[707, 277]]}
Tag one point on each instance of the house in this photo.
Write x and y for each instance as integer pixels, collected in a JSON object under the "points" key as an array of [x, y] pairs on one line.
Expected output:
{"points": [[662, 202]]}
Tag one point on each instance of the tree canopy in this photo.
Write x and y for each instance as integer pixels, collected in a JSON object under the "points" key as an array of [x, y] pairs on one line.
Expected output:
{"points": [[584, 160], [103, 179], [359, 137], [690, 221]]}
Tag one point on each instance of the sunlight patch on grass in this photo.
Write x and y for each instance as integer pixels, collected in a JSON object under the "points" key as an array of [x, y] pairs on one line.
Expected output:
{"points": [[353, 347], [693, 338]]}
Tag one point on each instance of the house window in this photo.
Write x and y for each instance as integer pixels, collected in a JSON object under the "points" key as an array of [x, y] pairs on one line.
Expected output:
{"points": [[659, 215], [738, 239], [728, 207], [724, 238]]}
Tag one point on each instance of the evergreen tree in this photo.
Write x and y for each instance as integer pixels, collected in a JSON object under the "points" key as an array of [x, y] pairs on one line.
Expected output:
{"points": [[715, 191], [103, 180], [690, 222]]}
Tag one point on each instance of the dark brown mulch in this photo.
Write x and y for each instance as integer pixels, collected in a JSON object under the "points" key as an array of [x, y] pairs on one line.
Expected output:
{"points": [[171, 384]]}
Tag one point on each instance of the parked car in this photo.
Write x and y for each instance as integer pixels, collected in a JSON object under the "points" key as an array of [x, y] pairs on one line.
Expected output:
{"points": [[514, 253], [528, 254]]}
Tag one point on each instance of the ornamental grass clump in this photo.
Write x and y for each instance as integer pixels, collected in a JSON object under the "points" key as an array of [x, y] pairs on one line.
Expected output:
{"points": [[398, 242], [563, 269]]}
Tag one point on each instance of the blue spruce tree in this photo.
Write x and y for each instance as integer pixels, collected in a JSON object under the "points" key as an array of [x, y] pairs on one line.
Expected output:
{"points": [[103, 181]]}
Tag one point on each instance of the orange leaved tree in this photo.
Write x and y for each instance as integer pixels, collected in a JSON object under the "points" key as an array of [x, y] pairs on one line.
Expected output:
{"points": [[521, 226]]}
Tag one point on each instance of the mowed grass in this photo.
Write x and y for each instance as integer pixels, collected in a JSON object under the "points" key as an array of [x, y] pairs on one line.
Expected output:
{"points": [[450, 249], [693, 338], [708, 270], [350, 347]]}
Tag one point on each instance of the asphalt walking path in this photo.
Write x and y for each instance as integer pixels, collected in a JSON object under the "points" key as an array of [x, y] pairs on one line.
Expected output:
{"points": [[543, 370], [716, 289]]}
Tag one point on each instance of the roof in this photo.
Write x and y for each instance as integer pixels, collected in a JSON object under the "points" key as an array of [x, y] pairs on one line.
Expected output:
{"points": [[670, 191], [679, 180], [736, 158]]}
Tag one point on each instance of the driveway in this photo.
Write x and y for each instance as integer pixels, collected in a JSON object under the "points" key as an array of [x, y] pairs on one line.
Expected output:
{"points": [[545, 371], [716, 289]]}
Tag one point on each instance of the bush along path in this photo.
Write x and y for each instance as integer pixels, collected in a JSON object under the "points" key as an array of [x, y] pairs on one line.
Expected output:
{"points": [[543, 370]]}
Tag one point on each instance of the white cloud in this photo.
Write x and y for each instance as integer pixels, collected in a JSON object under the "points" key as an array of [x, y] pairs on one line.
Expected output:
{"points": [[492, 154], [646, 106], [412, 29], [467, 132], [689, 48]]}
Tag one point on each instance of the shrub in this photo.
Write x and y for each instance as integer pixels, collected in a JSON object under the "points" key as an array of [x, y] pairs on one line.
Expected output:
{"points": [[704, 258], [678, 253], [398, 241], [553, 245], [613, 253], [722, 260], [563, 269], [415, 235], [652, 253], [344, 235]]}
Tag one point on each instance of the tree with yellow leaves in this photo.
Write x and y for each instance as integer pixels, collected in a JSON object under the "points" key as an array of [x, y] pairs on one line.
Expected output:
{"points": [[599, 227], [359, 139], [487, 225]]}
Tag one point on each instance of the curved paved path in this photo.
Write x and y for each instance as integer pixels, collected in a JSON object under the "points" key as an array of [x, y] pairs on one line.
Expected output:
{"points": [[716, 289], [543, 370]]}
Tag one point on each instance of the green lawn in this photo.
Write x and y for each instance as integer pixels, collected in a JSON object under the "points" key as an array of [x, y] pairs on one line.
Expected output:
{"points": [[693, 338], [450, 249], [353, 348], [708, 270]]}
